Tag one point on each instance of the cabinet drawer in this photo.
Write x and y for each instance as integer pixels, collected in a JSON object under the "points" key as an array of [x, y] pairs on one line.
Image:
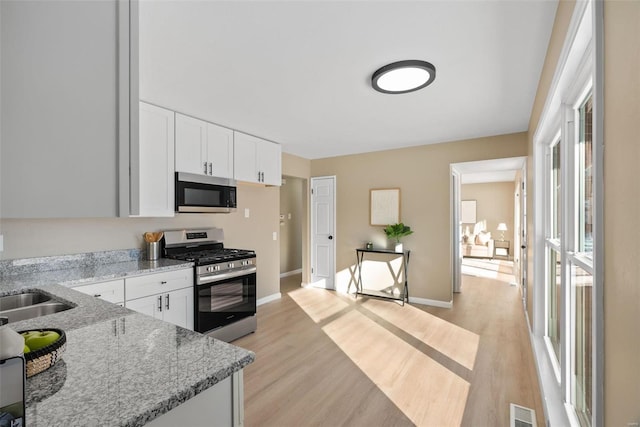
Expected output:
{"points": [[112, 291], [151, 284]]}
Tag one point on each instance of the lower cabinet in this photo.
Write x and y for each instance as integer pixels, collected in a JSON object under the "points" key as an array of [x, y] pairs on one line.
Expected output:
{"points": [[174, 307], [165, 296], [221, 405]]}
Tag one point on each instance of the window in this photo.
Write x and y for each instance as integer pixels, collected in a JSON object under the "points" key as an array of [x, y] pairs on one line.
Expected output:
{"points": [[554, 298], [567, 281], [582, 295], [585, 178]]}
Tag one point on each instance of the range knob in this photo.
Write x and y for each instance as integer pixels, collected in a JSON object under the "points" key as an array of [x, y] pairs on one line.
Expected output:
{"points": [[231, 265]]}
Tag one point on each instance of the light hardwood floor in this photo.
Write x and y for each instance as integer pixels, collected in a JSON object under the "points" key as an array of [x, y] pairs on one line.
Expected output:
{"points": [[326, 359]]}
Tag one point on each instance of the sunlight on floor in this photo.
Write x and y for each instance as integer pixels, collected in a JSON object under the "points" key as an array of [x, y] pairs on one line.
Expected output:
{"points": [[427, 392], [488, 268], [318, 305], [456, 343]]}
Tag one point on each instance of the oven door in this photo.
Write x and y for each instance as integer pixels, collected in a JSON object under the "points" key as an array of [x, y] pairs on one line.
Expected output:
{"points": [[221, 302]]}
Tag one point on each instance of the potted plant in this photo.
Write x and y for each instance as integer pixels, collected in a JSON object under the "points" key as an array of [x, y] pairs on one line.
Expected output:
{"points": [[396, 232]]}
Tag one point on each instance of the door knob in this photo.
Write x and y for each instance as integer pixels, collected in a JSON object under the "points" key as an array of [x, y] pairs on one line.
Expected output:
{"points": [[330, 237], [523, 247]]}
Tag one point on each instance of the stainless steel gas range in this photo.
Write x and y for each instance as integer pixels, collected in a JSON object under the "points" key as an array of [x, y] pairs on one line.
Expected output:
{"points": [[225, 281]]}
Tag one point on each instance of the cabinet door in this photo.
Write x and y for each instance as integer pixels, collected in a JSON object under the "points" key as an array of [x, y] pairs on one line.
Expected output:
{"points": [[191, 145], [178, 308], [60, 115], [156, 162], [147, 305], [220, 151], [245, 162], [269, 163]]}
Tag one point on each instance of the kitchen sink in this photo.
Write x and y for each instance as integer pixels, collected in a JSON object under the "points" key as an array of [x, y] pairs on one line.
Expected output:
{"points": [[14, 308], [10, 302]]}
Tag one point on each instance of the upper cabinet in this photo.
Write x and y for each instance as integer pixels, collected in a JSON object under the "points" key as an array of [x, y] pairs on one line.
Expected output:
{"points": [[203, 148], [257, 160], [65, 80], [152, 175]]}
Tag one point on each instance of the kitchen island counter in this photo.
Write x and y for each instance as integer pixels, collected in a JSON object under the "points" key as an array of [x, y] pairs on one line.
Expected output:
{"points": [[120, 367]]}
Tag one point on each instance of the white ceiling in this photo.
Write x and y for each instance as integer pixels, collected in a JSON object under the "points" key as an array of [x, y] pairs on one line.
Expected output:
{"points": [[298, 72]]}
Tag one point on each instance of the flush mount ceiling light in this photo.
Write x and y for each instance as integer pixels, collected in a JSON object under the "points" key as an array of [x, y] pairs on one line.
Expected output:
{"points": [[403, 76]]}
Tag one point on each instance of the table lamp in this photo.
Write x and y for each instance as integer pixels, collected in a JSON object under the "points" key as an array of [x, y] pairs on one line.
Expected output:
{"points": [[502, 227]]}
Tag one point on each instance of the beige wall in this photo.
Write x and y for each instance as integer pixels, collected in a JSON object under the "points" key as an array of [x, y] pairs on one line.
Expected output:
{"points": [[422, 173], [494, 204], [621, 212], [43, 237], [291, 216]]}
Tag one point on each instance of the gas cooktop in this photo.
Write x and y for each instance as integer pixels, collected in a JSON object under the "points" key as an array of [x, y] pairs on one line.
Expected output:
{"points": [[210, 256], [201, 246]]}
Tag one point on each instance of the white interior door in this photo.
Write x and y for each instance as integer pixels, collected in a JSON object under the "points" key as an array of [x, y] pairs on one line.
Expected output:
{"points": [[323, 242]]}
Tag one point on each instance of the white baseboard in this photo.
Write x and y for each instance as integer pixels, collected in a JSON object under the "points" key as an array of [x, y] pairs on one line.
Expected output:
{"points": [[431, 302], [269, 298], [290, 273]]}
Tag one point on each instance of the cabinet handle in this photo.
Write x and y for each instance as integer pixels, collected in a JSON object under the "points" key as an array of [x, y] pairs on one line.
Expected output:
{"points": [[167, 305], [97, 295], [205, 168], [160, 303], [164, 282], [210, 168]]}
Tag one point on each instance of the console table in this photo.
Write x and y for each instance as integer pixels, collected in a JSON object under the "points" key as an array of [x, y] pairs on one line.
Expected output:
{"points": [[360, 253]]}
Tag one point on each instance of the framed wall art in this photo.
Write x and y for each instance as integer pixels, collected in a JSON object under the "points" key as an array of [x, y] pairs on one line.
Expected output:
{"points": [[384, 206], [468, 211]]}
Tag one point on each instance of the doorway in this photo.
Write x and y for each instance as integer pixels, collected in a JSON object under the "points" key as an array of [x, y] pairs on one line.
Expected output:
{"points": [[292, 225], [498, 233]]}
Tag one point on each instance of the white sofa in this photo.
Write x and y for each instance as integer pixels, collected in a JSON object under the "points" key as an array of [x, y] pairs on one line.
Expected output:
{"points": [[478, 244]]}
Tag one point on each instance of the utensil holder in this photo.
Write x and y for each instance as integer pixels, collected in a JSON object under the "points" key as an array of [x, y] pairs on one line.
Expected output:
{"points": [[153, 251]]}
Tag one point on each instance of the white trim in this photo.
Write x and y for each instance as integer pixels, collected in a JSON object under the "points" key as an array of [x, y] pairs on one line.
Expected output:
{"points": [[269, 298], [555, 415], [290, 273], [431, 302], [551, 103]]}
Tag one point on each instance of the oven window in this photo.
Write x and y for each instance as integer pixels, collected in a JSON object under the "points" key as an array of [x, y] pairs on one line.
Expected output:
{"points": [[200, 197], [225, 296], [232, 296]]}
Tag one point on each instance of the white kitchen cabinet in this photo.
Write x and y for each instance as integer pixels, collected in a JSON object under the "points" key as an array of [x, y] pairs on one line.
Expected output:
{"points": [[65, 97], [165, 296], [203, 148], [256, 160], [153, 180], [112, 290]]}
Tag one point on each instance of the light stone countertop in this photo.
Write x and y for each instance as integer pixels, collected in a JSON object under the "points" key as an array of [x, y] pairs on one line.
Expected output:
{"points": [[120, 367]]}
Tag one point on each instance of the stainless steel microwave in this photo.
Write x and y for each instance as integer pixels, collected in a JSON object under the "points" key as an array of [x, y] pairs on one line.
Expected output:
{"points": [[202, 194]]}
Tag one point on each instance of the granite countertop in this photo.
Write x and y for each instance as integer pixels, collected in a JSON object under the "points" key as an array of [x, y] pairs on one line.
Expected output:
{"points": [[119, 367]]}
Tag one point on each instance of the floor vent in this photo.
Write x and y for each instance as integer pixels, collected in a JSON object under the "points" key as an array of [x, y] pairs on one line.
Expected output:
{"points": [[522, 417]]}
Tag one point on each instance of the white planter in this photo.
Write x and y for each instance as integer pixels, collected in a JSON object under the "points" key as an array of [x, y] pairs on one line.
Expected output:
{"points": [[399, 247]]}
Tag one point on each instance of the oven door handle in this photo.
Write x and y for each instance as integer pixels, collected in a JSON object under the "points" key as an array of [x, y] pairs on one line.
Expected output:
{"points": [[203, 280]]}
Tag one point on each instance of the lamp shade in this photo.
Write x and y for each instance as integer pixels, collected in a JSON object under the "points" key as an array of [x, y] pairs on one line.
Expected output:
{"points": [[502, 227]]}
